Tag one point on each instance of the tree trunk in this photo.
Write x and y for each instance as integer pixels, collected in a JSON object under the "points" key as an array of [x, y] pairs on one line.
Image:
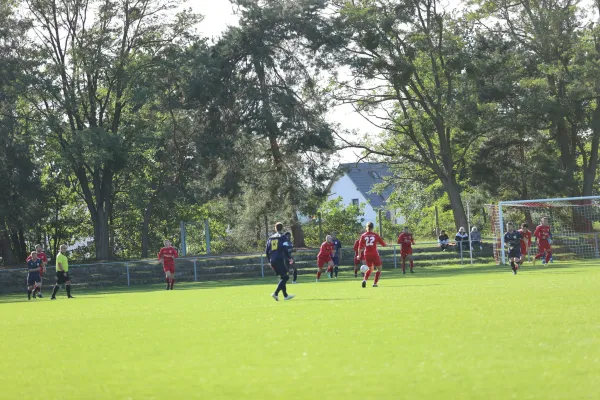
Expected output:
{"points": [[590, 170], [146, 230], [19, 247], [101, 235], [23, 244], [454, 195], [8, 255], [297, 231]]}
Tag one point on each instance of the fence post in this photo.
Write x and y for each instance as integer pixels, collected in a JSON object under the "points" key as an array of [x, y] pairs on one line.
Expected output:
{"points": [[461, 252], [207, 236], [128, 280], [320, 228], [469, 232], [380, 224], [395, 260], [597, 253], [195, 272], [262, 266], [183, 244]]}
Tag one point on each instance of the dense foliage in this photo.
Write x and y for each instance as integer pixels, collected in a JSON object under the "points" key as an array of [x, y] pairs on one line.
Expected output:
{"points": [[117, 120]]}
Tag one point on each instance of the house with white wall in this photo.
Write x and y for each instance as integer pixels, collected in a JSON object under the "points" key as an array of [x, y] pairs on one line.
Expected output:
{"points": [[355, 184]]}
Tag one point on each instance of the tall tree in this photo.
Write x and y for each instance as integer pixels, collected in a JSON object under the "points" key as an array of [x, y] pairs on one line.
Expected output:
{"points": [[407, 61], [96, 54], [562, 52], [21, 195], [276, 98]]}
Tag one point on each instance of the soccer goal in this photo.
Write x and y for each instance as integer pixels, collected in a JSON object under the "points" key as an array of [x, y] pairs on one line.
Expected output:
{"points": [[574, 224]]}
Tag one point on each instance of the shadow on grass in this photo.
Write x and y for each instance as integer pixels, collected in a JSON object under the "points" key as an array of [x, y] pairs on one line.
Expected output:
{"points": [[306, 278]]}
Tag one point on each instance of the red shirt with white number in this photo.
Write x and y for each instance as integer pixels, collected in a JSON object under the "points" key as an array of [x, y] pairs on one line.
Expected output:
{"points": [[168, 254], [542, 233], [406, 240], [326, 251], [369, 241]]}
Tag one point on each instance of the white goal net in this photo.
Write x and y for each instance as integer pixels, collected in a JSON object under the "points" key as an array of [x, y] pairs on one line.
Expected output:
{"points": [[574, 225]]}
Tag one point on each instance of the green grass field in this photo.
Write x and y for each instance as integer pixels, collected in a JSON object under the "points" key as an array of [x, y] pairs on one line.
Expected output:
{"points": [[443, 333]]}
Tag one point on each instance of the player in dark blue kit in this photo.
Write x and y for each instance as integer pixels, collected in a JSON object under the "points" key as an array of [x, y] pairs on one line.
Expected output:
{"points": [[513, 238], [291, 267], [278, 253], [337, 246], [34, 266]]}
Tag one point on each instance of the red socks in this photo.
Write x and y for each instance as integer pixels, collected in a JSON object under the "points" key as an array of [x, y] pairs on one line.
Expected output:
{"points": [[377, 275], [548, 255], [172, 282], [403, 266], [411, 264], [367, 275], [319, 275]]}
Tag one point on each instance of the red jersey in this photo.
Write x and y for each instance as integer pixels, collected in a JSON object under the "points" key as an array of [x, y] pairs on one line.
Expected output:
{"points": [[542, 233], [326, 251], [42, 256], [526, 237], [368, 241], [168, 254], [357, 251], [406, 240]]}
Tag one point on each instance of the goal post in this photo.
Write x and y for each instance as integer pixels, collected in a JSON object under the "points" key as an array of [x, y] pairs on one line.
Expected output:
{"points": [[574, 223]]}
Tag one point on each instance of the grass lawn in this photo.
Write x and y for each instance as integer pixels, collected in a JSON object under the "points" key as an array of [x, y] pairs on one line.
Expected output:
{"points": [[443, 333]]}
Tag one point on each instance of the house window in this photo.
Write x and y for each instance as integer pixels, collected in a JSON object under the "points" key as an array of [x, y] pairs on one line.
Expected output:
{"points": [[388, 215], [355, 202]]}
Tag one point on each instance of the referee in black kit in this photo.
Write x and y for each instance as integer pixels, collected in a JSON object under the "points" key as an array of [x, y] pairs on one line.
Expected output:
{"points": [[277, 253]]}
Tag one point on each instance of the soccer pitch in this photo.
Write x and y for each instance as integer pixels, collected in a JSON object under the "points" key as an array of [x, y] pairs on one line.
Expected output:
{"points": [[442, 333]]}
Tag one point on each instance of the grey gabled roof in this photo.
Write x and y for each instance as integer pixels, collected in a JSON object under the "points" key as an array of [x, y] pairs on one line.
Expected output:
{"points": [[367, 175]]}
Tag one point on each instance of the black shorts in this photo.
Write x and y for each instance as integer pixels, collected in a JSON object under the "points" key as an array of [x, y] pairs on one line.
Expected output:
{"points": [[280, 267], [62, 277], [33, 278], [514, 252]]}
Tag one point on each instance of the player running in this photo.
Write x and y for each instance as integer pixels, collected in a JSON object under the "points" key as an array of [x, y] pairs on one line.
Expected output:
{"points": [[368, 242], [41, 256], [337, 250], [406, 240], [167, 256], [359, 257], [543, 236], [325, 256], [513, 239], [34, 269], [277, 253], [526, 242]]}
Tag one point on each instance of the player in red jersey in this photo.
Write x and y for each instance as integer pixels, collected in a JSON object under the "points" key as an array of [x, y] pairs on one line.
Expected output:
{"points": [[368, 242], [359, 256], [42, 256], [167, 256], [406, 240], [542, 234], [525, 243], [325, 256]]}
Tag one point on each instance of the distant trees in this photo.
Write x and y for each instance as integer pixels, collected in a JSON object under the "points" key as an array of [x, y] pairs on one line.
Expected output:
{"points": [[117, 120]]}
